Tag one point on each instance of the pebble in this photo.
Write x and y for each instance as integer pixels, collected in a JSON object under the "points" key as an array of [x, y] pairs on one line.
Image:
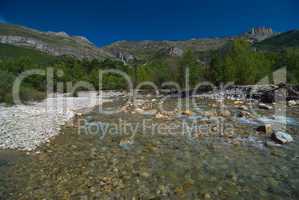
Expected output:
{"points": [[25, 127]]}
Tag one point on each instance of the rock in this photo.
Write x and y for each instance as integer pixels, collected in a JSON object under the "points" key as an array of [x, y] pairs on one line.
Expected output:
{"points": [[145, 174], [225, 113], [77, 48], [245, 114], [187, 113], [139, 110], [78, 114], [175, 51], [207, 196], [238, 102], [259, 33], [267, 128], [265, 106], [281, 137], [160, 116], [150, 112], [292, 103], [125, 143], [209, 114], [236, 142], [243, 107], [214, 105]]}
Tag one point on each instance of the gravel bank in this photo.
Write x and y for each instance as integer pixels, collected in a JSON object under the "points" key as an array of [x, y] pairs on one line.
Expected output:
{"points": [[25, 127]]}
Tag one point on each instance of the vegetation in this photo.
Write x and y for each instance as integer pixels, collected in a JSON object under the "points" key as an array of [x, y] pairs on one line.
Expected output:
{"points": [[73, 71], [237, 62], [282, 41], [13, 52]]}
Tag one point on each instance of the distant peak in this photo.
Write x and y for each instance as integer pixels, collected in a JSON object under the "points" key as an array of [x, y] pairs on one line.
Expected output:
{"points": [[260, 31], [257, 34]]}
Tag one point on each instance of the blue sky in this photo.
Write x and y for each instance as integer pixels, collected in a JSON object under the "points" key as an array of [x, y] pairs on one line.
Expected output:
{"points": [[2, 20], [105, 21]]}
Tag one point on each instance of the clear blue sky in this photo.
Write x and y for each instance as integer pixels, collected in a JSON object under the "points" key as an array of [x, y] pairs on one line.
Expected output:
{"points": [[105, 21]]}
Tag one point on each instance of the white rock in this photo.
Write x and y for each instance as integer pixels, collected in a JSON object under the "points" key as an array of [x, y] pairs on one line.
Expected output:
{"points": [[292, 103], [265, 106], [282, 137]]}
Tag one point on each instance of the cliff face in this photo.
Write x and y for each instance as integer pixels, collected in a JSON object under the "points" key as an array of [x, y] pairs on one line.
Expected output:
{"points": [[56, 44], [259, 34]]}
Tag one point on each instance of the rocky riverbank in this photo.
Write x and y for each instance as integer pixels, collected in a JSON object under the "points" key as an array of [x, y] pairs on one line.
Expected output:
{"points": [[25, 127]]}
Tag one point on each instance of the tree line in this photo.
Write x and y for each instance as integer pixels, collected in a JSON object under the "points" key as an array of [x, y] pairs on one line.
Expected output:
{"points": [[237, 62]]}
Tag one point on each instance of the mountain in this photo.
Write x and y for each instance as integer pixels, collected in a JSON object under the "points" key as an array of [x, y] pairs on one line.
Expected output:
{"points": [[281, 41], [143, 50], [258, 34], [60, 43], [52, 43]]}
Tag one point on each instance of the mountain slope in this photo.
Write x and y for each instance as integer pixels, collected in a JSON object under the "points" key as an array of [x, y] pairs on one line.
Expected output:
{"points": [[14, 52], [281, 41], [56, 44], [143, 50]]}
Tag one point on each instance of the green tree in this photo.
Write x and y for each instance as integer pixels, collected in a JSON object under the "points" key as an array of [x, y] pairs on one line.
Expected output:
{"points": [[188, 61]]}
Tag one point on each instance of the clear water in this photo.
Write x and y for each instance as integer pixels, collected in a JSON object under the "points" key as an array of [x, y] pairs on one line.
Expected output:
{"points": [[155, 166]]}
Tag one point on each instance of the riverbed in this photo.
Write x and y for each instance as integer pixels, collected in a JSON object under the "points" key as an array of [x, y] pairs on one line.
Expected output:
{"points": [[87, 161]]}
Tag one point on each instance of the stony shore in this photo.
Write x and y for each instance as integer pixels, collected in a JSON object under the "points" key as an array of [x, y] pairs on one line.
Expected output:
{"points": [[25, 127]]}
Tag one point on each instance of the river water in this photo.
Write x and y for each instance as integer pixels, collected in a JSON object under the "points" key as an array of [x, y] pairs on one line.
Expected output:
{"points": [[99, 163]]}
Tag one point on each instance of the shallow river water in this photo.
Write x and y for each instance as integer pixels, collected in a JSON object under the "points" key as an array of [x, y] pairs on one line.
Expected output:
{"points": [[146, 165]]}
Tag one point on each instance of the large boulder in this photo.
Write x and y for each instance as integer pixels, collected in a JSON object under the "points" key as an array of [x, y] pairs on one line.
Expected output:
{"points": [[281, 137]]}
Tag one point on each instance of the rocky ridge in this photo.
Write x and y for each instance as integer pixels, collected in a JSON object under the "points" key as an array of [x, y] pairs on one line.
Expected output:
{"points": [[259, 34], [61, 43], [53, 43]]}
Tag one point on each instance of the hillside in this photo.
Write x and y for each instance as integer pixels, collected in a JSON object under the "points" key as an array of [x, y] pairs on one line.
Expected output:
{"points": [[143, 50], [53, 43], [13, 52], [288, 39]]}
